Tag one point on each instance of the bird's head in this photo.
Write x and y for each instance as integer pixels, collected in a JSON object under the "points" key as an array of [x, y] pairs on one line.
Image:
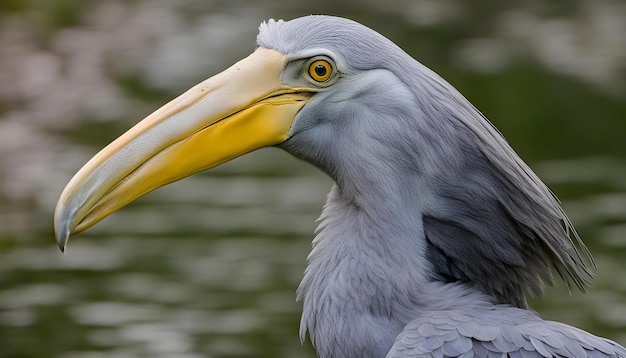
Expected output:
{"points": [[297, 89], [343, 97]]}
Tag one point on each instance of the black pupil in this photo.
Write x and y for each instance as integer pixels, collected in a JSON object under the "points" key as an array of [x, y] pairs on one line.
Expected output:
{"points": [[320, 70]]}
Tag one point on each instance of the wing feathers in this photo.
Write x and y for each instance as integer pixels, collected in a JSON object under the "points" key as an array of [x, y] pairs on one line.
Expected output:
{"points": [[498, 331]]}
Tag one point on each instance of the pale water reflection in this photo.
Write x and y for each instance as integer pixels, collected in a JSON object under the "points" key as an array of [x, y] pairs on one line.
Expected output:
{"points": [[208, 267]]}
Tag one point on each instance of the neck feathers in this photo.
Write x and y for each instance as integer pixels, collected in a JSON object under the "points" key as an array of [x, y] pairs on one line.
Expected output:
{"points": [[367, 278], [357, 292]]}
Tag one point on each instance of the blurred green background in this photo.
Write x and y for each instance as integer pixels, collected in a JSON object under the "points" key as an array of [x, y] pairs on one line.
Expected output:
{"points": [[208, 267]]}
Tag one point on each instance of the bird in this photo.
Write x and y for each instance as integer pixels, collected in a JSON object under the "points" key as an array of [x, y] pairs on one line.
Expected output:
{"points": [[434, 233]]}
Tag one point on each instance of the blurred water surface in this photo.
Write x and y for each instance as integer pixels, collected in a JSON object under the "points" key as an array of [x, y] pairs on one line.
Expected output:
{"points": [[208, 267]]}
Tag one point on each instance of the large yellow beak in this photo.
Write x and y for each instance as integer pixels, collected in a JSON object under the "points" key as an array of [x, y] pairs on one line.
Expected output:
{"points": [[244, 108]]}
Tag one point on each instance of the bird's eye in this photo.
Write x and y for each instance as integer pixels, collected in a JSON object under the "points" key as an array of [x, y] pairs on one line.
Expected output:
{"points": [[320, 71]]}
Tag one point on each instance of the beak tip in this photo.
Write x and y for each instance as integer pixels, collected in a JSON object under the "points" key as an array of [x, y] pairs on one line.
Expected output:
{"points": [[62, 238], [62, 234], [62, 230]]}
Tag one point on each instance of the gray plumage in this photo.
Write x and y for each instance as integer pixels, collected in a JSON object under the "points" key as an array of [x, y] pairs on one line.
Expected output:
{"points": [[435, 231], [496, 330]]}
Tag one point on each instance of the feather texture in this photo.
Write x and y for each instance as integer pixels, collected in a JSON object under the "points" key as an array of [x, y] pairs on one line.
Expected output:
{"points": [[435, 231], [497, 331], [490, 205]]}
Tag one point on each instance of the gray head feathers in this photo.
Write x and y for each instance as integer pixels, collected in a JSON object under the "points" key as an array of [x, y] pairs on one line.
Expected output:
{"points": [[493, 225]]}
